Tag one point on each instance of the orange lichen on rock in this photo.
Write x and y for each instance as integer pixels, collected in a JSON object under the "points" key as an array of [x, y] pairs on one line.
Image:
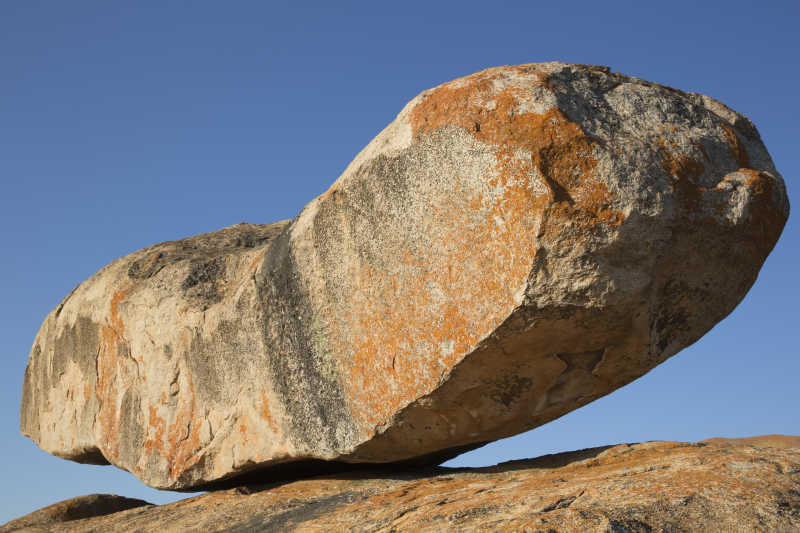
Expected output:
{"points": [[767, 222], [435, 309], [685, 172], [738, 149], [183, 438], [176, 438], [158, 427], [265, 413], [434, 316], [87, 393], [112, 346], [559, 149], [177, 442]]}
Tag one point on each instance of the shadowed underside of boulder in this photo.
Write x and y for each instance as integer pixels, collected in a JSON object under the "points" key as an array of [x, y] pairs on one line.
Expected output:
{"points": [[516, 244]]}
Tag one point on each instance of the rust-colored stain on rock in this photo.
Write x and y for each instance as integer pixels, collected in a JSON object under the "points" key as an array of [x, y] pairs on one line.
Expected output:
{"points": [[737, 147], [559, 149], [265, 413], [687, 172], [108, 377], [766, 223]]}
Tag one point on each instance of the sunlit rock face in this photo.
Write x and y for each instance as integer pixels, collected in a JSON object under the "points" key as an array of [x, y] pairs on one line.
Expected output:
{"points": [[516, 244]]}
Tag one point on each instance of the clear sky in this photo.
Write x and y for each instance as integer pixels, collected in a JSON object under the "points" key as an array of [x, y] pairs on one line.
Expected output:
{"points": [[123, 124]]}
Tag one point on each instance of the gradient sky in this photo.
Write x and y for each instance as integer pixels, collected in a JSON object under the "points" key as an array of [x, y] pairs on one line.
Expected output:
{"points": [[123, 124]]}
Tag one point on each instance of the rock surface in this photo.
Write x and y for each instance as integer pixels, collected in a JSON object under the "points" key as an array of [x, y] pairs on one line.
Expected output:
{"points": [[91, 506], [516, 244], [655, 486]]}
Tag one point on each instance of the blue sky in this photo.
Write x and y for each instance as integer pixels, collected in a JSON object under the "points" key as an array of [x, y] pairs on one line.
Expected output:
{"points": [[123, 124]]}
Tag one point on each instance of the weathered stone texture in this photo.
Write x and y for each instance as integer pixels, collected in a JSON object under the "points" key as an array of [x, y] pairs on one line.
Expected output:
{"points": [[657, 486], [90, 506], [516, 244]]}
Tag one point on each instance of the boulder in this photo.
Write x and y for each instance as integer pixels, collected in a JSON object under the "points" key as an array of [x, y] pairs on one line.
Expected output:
{"points": [[516, 244], [89, 506], [654, 486]]}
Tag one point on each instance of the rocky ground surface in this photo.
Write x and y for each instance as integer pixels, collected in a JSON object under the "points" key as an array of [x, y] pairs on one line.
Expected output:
{"points": [[731, 485]]}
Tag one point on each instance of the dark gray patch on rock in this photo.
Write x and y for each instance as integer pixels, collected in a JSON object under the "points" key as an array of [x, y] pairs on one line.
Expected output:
{"points": [[204, 272], [577, 379], [28, 412], [581, 99], [205, 281], [147, 267], [509, 389], [217, 361], [203, 363], [628, 526], [309, 390], [294, 516], [204, 247], [131, 430], [78, 343]]}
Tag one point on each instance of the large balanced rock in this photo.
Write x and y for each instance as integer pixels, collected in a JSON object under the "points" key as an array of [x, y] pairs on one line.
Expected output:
{"points": [[516, 244], [655, 486]]}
